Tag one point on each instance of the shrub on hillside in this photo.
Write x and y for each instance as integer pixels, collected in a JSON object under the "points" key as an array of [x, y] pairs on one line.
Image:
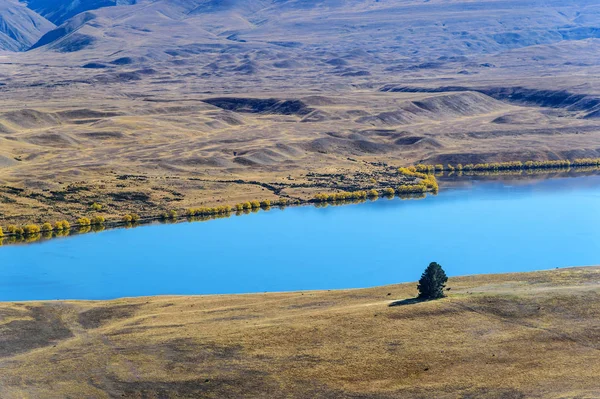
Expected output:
{"points": [[97, 220], [84, 222], [31, 229]]}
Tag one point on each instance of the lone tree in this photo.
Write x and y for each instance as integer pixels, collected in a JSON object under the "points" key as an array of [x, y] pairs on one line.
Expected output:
{"points": [[432, 282]]}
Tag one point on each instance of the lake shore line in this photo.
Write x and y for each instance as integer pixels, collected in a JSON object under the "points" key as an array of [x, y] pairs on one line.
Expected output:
{"points": [[321, 344], [421, 179]]}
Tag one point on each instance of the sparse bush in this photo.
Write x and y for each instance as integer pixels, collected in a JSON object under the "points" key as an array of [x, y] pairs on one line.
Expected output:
{"points": [[373, 194], [265, 204], [97, 220], [1, 232], [62, 225], [432, 282], [127, 219], [389, 192], [15, 230], [96, 207], [172, 214], [283, 202], [135, 217], [341, 196]]}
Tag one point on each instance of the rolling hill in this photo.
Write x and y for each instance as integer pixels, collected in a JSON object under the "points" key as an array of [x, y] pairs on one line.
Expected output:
{"points": [[272, 90]]}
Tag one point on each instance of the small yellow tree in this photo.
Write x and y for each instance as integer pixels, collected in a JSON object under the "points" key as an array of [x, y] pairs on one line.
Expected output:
{"points": [[46, 227], [84, 221], [31, 229], [97, 220]]}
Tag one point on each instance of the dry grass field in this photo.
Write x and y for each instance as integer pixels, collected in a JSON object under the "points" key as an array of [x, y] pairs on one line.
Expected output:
{"points": [[531, 335], [169, 104]]}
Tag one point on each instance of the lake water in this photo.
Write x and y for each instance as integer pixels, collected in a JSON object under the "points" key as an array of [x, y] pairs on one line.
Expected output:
{"points": [[489, 227]]}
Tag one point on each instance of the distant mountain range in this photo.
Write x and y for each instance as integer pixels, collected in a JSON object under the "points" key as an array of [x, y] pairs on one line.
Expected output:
{"points": [[451, 27]]}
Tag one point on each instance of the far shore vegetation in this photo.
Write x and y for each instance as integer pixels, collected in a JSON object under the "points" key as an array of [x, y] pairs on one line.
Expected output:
{"points": [[418, 180]]}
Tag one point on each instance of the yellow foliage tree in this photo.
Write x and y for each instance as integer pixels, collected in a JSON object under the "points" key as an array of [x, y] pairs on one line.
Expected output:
{"points": [[97, 220], [84, 221]]}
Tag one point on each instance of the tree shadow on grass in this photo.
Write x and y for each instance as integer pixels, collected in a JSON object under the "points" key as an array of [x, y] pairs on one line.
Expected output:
{"points": [[409, 301]]}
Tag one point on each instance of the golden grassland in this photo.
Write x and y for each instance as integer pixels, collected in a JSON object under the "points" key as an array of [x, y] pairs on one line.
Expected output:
{"points": [[69, 149], [530, 335], [411, 183]]}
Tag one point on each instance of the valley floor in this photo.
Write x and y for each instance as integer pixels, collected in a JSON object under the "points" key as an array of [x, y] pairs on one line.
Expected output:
{"points": [[533, 335]]}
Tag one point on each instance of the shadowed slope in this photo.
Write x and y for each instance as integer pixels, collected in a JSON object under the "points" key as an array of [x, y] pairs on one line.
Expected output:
{"points": [[20, 27]]}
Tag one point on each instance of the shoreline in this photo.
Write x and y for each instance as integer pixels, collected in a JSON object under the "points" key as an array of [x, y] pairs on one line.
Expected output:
{"points": [[424, 182], [302, 292], [325, 344]]}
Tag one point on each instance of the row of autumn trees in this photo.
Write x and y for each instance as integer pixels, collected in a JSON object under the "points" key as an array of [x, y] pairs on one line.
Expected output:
{"points": [[419, 179], [514, 165], [421, 183], [60, 226]]}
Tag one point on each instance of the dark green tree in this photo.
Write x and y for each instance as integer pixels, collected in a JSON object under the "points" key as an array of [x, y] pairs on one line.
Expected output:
{"points": [[432, 282]]}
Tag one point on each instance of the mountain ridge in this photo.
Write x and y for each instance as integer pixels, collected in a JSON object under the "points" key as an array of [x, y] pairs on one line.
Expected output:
{"points": [[20, 27]]}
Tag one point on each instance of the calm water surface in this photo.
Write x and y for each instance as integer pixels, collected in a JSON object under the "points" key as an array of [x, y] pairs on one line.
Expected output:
{"points": [[485, 228]]}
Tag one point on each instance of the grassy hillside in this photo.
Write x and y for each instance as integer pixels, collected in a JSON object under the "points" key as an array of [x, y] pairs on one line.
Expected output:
{"points": [[156, 105], [531, 335]]}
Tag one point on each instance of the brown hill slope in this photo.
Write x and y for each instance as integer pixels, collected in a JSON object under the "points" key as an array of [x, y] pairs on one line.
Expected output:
{"points": [[532, 335]]}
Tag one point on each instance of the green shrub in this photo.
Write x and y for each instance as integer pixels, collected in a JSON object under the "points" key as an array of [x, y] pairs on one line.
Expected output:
{"points": [[127, 219], [255, 204], [96, 207], [1, 232], [46, 227], [265, 204], [373, 194]]}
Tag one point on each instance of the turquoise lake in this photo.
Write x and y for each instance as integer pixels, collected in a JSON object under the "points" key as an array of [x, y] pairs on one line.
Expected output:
{"points": [[475, 228]]}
